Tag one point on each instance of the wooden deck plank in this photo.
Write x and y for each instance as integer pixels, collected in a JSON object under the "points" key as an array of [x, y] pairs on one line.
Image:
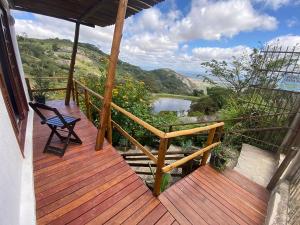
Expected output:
{"points": [[218, 206], [85, 186], [166, 219], [209, 212], [136, 217], [116, 208], [132, 208], [232, 198], [51, 206], [247, 184], [154, 215], [243, 194]]}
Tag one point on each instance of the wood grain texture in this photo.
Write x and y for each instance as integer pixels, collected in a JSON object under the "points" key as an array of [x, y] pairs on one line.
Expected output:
{"points": [[209, 197], [98, 187], [86, 185]]}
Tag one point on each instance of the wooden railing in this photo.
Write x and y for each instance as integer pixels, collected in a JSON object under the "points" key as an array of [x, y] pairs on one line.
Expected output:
{"points": [[32, 90], [214, 131]]}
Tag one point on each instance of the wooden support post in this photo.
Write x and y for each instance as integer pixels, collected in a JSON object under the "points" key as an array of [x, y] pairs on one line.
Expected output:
{"points": [[87, 104], [72, 65], [76, 94], [111, 73], [73, 91], [281, 169], [109, 129], [210, 140], [163, 145]]}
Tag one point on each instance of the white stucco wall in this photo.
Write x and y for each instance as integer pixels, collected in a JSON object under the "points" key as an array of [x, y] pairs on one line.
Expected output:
{"points": [[11, 162], [17, 203]]}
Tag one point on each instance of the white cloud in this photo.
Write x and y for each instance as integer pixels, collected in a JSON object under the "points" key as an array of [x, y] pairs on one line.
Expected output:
{"points": [[286, 41], [208, 53], [212, 20], [155, 39], [48, 27]]}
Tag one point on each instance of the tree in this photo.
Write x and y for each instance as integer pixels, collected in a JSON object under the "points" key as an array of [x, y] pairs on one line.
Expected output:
{"points": [[248, 69], [235, 74], [205, 105]]}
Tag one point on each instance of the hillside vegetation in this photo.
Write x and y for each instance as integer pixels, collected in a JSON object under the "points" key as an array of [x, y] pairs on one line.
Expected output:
{"points": [[51, 57]]}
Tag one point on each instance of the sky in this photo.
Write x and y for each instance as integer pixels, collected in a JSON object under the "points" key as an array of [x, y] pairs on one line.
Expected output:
{"points": [[182, 34]]}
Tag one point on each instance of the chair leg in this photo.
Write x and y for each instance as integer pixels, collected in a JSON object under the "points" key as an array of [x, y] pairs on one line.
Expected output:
{"points": [[67, 141], [49, 139], [76, 138]]}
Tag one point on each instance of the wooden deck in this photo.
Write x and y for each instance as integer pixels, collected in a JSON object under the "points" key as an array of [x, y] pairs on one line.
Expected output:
{"points": [[89, 187]]}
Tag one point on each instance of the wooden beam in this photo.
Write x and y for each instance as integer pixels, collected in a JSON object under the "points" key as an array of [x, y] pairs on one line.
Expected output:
{"points": [[144, 124], [193, 131], [282, 168], [188, 158], [111, 73], [163, 145], [72, 64], [58, 17], [209, 141], [90, 11]]}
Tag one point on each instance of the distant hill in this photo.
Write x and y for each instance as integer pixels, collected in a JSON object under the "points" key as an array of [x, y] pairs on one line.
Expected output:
{"points": [[51, 57]]}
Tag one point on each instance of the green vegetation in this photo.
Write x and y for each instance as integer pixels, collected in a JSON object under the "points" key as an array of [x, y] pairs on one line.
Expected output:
{"points": [[131, 95], [51, 57], [205, 105]]}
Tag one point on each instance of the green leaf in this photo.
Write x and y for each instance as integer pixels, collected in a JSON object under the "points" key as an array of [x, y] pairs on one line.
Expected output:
{"points": [[165, 181]]}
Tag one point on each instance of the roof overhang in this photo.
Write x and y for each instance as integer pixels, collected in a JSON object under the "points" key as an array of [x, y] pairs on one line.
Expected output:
{"points": [[88, 12]]}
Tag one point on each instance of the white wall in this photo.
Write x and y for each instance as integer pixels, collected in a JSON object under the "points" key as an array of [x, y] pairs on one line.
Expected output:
{"points": [[17, 202], [11, 162]]}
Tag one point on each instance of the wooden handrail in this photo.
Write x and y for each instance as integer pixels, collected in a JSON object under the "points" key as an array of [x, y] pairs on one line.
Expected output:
{"points": [[89, 90], [193, 130], [159, 161], [182, 161], [144, 124], [46, 78], [135, 142], [48, 90]]}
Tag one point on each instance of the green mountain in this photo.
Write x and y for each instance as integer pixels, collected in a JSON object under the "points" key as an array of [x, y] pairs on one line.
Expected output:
{"points": [[51, 57]]}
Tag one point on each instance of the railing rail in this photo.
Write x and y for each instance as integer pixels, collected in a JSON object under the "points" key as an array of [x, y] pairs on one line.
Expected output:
{"points": [[159, 160], [84, 95]]}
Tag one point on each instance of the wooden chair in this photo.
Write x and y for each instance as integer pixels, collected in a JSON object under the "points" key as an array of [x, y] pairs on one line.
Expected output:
{"points": [[57, 123]]}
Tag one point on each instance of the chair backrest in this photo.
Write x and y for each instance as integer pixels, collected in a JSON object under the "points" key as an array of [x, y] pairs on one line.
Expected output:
{"points": [[37, 106]]}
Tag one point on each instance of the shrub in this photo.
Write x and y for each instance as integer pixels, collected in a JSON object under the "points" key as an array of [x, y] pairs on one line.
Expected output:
{"points": [[205, 105], [220, 95], [133, 96]]}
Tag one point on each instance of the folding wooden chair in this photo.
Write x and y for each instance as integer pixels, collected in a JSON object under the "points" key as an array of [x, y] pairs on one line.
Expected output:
{"points": [[57, 123]]}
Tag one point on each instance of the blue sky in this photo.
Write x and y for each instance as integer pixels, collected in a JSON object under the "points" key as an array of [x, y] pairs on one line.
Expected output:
{"points": [[181, 34]]}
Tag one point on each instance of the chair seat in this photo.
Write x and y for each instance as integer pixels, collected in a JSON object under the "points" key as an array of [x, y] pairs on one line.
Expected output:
{"points": [[56, 121]]}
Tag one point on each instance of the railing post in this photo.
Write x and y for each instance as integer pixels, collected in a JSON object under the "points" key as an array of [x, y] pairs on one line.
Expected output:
{"points": [[76, 94], [169, 140], [282, 168], [210, 140], [72, 64], [73, 91], [87, 104], [111, 72], [163, 144], [109, 129]]}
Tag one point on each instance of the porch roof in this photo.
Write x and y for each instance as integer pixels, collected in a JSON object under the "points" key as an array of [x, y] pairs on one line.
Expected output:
{"points": [[88, 12]]}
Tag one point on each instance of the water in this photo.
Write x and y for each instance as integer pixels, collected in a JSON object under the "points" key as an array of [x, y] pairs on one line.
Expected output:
{"points": [[181, 106]]}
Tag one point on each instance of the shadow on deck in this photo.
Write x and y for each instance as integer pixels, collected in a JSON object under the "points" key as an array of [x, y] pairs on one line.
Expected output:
{"points": [[92, 187]]}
